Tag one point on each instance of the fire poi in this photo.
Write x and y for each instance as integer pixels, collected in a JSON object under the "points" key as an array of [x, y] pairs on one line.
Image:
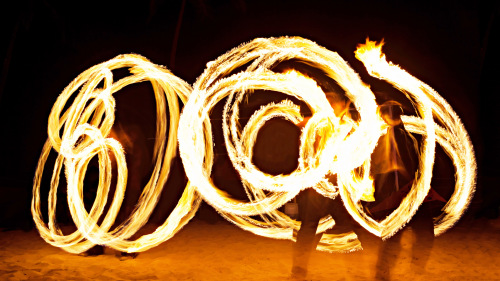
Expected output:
{"points": [[80, 131]]}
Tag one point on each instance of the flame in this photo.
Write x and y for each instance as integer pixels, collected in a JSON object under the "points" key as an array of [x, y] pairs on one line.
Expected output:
{"points": [[91, 116], [347, 143], [452, 137], [82, 132], [370, 53]]}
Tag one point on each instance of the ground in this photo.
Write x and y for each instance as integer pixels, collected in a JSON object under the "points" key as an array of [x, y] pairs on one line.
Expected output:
{"points": [[221, 251]]}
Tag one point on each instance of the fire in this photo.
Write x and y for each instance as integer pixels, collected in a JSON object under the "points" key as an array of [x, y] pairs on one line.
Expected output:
{"points": [[370, 52], [82, 132], [452, 137]]}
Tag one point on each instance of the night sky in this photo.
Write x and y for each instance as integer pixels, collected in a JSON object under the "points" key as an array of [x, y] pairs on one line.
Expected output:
{"points": [[46, 44]]}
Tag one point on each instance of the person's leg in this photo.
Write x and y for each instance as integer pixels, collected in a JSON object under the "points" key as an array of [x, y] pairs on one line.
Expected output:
{"points": [[310, 204], [344, 223], [305, 244], [387, 255], [389, 249], [423, 228]]}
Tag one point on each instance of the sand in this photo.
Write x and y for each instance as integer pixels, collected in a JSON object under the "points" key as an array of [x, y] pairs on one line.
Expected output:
{"points": [[222, 251]]}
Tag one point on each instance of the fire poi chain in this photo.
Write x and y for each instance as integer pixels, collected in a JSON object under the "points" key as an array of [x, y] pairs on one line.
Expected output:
{"points": [[81, 132]]}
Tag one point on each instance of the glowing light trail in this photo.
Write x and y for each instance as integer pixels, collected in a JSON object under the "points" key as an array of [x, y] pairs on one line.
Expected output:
{"points": [[85, 126], [346, 145], [452, 137]]}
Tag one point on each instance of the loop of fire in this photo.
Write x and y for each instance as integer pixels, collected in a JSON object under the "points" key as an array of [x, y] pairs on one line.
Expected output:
{"points": [[336, 145]]}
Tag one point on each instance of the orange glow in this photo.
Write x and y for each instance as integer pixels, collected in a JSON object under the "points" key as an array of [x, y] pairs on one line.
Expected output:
{"points": [[452, 137], [91, 116], [82, 132], [370, 52]]}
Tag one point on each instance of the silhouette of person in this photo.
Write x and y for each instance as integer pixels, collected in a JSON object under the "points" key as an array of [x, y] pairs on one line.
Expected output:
{"points": [[394, 164], [130, 136], [313, 206]]}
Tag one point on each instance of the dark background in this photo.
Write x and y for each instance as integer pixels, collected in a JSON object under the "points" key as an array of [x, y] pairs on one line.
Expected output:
{"points": [[450, 45]]}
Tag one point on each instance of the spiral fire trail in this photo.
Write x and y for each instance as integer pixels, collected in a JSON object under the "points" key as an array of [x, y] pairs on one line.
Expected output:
{"points": [[81, 132], [85, 126]]}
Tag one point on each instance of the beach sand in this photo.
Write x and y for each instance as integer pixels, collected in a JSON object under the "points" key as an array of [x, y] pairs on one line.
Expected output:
{"points": [[222, 251]]}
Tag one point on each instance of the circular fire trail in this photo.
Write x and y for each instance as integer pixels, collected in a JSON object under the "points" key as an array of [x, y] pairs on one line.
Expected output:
{"points": [[81, 132]]}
